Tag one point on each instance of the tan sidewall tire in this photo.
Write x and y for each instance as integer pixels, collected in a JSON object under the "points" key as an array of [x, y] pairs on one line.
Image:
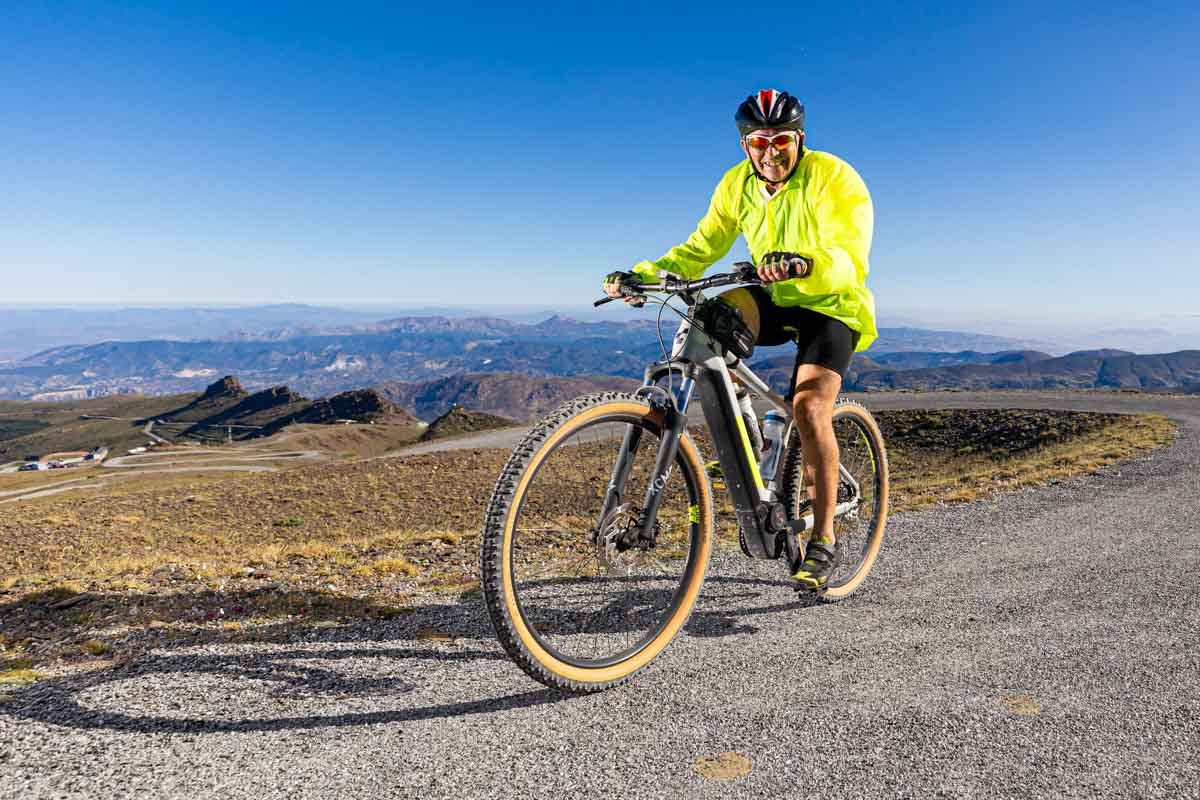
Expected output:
{"points": [[848, 408], [497, 542]]}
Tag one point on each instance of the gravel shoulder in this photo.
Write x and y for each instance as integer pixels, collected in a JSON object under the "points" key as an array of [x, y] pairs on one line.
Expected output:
{"points": [[1040, 643]]}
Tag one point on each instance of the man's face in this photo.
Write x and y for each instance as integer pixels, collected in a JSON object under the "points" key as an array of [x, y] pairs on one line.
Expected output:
{"points": [[773, 157]]}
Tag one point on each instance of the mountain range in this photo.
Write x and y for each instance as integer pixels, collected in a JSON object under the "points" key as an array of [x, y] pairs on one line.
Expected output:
{"points": [[407, 349], [1086, 369], [427, 363]]}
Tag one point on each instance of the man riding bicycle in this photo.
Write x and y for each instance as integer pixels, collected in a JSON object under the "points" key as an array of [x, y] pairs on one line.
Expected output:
{"points": [[802, 212]]}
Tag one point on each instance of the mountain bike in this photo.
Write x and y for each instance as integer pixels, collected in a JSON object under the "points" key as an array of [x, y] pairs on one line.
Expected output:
{"points": [[600, 526]]}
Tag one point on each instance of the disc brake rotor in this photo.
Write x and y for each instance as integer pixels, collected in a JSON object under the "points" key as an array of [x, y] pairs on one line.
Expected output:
{"points": [[616, 524]]}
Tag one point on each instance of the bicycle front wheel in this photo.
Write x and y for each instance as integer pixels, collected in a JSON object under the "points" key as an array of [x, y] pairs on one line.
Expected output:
{"points": [[573, 607]]}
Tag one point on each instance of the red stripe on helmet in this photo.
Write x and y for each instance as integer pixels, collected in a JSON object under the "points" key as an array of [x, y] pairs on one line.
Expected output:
{"points": [[766, 99]]}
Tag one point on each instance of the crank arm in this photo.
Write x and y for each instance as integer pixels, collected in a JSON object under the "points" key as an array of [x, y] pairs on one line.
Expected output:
{"points": [[805, 523]]}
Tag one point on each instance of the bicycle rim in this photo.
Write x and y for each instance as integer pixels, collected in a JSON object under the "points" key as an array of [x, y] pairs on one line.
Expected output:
{"points": [[586, 612]]}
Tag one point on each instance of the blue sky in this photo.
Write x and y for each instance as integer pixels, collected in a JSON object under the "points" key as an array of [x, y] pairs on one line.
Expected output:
{"points": [[1023, 161]]}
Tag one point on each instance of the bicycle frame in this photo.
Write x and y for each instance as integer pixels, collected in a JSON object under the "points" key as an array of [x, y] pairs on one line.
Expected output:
{"points": [[702, 364]]}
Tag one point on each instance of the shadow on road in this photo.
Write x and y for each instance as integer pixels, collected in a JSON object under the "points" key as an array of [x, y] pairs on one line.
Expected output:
{"points": [[272, 673]]}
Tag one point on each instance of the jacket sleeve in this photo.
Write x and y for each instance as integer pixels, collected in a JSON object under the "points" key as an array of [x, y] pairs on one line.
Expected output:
{"points": [[714, 235], [845, 224]]}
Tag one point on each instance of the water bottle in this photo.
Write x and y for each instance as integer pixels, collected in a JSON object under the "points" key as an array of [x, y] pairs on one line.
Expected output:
{"points": [[750, 419], [772, 432]]}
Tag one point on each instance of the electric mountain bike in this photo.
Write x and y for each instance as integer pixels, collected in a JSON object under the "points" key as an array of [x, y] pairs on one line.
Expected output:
{"points": [[600, 526]]}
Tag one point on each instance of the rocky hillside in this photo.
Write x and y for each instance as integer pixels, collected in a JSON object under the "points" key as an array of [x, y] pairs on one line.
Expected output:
{"points": [[511, 395], [225, 408], [458, 421]]}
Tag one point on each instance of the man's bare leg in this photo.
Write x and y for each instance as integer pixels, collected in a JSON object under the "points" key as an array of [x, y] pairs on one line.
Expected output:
{"points": [[816, 392]]}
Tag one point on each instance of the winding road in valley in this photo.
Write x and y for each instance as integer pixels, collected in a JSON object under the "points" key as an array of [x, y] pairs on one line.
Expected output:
{"points": [[189, 460], [1041, 643]]}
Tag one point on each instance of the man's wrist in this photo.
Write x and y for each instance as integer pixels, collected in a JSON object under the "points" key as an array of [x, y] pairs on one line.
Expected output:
{"points": [[645, 271]]}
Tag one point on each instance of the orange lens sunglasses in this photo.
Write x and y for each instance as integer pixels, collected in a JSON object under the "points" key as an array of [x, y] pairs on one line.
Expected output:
{"points": [[781, 141]]}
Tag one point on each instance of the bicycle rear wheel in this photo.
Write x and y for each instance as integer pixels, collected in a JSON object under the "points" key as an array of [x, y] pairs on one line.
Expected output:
{"points": [[572, 608], [863, 485]]}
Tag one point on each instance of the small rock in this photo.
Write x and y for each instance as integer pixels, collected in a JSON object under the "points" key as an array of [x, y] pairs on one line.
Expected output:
{"points": [[68, 602], [434, 635]]}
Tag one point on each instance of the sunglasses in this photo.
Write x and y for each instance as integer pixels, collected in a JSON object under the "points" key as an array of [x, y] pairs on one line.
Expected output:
{"points": [[780, 141]]}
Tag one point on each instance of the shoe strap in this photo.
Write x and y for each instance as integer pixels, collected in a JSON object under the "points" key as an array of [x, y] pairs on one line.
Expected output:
{"points": [[819, 553]]}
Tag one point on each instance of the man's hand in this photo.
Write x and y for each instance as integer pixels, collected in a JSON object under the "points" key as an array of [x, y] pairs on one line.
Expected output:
{"points": [[613, 282], [779, 266]]}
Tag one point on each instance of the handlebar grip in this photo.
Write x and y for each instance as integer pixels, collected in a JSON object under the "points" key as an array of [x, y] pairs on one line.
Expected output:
{"points": [[602, 302], [748, 272]]}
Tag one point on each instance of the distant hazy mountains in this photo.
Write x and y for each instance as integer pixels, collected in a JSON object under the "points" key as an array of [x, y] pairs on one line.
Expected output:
{"points": [[447, 356], [1025, 369], [408, 349], [25, 331]]}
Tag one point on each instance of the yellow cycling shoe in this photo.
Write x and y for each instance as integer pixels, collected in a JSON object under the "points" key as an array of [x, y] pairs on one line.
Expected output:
{"points": [[820, 558]]}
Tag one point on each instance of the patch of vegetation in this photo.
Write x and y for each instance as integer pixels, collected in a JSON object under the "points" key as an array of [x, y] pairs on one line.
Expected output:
{"points": [[80, 425], [17, 672], [458, 421], [965, 460], [14, 428], [388, 566], [94, 647]]}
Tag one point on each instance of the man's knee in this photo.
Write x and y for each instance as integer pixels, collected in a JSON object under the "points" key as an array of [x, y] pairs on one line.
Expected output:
{"points": [[811, 410], [814, 396]]}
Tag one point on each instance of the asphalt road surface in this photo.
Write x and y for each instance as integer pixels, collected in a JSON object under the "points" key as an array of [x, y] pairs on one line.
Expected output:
{"points": [[1045, 643]]}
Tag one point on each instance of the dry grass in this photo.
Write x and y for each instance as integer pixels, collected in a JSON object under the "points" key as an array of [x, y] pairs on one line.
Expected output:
{"points": [[94, 647], [16, 672], [388, 566], [920, 482]]}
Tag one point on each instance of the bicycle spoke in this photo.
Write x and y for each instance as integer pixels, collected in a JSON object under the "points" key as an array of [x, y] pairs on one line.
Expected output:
{"points": [[587, 601]]}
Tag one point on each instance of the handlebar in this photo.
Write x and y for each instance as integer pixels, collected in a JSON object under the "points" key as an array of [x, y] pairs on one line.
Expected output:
{"points": [[744, 272]]}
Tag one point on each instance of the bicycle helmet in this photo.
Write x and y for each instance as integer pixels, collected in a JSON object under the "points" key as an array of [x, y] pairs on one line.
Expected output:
{"points": [[769, 109]]}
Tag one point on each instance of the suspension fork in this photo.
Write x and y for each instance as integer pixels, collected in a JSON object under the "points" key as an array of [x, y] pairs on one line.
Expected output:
{"points": [[674, 414]]}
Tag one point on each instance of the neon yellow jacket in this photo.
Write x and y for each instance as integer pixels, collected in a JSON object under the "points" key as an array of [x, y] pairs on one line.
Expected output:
{"points": [[823, 212]]}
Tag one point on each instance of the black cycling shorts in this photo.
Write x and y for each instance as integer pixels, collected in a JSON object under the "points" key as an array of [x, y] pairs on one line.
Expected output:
{"points": [[820, 339]]}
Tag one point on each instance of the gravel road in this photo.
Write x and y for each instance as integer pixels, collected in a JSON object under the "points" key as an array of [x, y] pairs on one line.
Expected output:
{"points": [[1044, 643]]}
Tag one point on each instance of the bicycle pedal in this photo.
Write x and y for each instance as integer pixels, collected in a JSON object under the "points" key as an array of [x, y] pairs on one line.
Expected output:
{"points": [[808, 593]]}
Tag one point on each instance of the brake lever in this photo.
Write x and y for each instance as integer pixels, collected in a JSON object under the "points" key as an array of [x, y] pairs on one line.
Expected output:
{"points": [[635, 299], [746, 272]]}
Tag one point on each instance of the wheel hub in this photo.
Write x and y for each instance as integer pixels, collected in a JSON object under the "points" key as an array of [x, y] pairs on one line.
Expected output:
{"points": [[614, 557]]}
